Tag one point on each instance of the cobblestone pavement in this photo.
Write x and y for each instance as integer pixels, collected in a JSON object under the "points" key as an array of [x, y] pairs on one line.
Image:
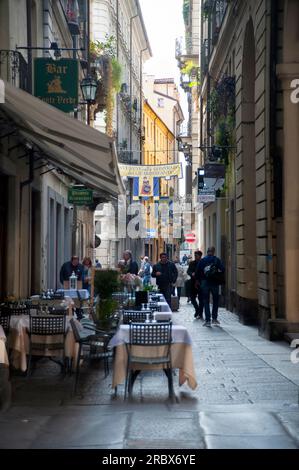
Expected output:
{"points": [[247, 397]]}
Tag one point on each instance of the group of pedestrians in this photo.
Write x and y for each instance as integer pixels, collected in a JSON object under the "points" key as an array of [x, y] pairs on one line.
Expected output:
{"points": [[206, 274]]}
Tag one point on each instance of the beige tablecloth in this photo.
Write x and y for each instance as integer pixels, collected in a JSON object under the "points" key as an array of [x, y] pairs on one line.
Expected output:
{"points": [[181, 355], [3, 352], [18, 341]]}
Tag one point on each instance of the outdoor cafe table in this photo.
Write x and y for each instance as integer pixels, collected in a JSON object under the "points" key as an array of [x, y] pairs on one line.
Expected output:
{"points": [[3, 352], [18, 340], [181, 355], [56, 303]]}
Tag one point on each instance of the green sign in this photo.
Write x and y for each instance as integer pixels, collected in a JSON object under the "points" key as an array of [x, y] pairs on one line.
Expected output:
{"points": [[56, 82], [80, 197]]}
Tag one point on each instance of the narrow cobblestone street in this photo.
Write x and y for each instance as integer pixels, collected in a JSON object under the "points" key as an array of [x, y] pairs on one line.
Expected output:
{"points": [[247, 397]]}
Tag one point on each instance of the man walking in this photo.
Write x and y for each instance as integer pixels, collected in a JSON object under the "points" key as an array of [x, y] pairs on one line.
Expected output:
{"points": [[166, 275], [195, 289], [208, 274]]}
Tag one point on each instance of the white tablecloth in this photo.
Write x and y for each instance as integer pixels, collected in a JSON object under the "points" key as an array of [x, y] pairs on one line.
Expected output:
{"points": [[181, 355], [84, 294], [18, 341], [180, 334]]}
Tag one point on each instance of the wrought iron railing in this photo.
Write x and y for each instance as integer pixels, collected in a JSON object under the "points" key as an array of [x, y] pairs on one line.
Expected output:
{"points": [[14, 69]]}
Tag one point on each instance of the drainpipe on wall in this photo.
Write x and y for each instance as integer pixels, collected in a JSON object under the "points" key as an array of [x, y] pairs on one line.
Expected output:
{"points": [[29, 42], [270, 140], [23, 184]]}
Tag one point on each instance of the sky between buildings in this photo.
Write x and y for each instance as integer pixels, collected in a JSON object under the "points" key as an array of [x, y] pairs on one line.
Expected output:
{"points": [[164, 23]]}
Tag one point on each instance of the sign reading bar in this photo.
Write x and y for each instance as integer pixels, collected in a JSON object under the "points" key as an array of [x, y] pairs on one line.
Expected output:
{"points": [[56, 82], [206, 196], [80, 197], [158, 171]]}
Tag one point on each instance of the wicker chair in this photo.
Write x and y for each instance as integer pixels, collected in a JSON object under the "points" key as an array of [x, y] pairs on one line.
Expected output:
{"points": [[149, 335], [50, 326]]}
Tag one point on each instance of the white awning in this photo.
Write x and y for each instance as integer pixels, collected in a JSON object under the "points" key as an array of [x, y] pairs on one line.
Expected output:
{"points": [[80, 151]]}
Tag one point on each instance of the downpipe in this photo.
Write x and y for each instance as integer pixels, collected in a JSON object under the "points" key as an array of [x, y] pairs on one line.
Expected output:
{"points": [[270, 145]]}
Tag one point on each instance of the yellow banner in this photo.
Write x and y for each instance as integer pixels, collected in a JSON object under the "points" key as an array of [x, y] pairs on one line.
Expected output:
{"points": [[158, 171]]}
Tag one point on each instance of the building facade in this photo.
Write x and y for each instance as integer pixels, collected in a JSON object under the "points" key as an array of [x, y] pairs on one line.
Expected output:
{"points": [[188, 57], [121, 22], [248, 118], [39, 228]]}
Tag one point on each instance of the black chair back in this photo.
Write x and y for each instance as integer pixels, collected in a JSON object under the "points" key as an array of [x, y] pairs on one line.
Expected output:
{"points": [[151, 334], [154, 307], [136, 316], [44, 325], [75, 330]]}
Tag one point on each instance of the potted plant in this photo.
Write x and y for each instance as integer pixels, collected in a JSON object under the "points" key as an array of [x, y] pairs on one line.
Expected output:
{"points": [[105, 283]]}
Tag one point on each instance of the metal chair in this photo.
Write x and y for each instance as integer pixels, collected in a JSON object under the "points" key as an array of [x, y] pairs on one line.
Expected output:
{"points": [[51, 326], [136, 316], [97, 344], [5, 322], [149, 335], [154, 307], [58, 311], [16, 310]]}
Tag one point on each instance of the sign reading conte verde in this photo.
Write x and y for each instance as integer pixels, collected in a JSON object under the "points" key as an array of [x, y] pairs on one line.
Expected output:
{"points": [[80, 197], [56, 82]]}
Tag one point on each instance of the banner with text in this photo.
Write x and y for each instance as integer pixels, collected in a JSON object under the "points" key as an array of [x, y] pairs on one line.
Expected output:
{"points": [[158, 171]]}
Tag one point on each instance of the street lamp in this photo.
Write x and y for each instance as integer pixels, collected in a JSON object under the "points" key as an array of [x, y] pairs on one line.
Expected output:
{"points": [[89, 86]]}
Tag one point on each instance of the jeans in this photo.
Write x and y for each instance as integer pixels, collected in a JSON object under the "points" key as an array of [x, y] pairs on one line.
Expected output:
{"points": [[166, 291], [197, 294], [207, 289], [146, 280], [179, 291]]}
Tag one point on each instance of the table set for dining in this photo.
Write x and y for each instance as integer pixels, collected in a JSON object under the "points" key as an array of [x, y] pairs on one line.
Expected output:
{"points": [[18, 341], [181, 348]]}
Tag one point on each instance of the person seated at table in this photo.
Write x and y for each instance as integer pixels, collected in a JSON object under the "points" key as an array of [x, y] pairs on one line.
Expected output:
{"points": [[70, 267], [87, 267], [166, 275]]}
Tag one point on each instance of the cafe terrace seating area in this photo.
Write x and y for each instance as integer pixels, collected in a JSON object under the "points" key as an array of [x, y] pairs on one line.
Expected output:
{"points": [[62, 327]]}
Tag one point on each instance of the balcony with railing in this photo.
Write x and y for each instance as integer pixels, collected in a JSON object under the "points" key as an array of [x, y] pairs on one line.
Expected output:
{"points": [[213, 15], [14, 69]]}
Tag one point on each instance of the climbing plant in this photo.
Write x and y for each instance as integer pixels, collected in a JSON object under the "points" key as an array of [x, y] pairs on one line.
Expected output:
{"points": [[222, 108], [107, 50]]}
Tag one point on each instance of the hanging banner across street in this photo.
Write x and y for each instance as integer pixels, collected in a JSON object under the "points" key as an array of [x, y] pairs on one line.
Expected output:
{"points": [[159, 171]]}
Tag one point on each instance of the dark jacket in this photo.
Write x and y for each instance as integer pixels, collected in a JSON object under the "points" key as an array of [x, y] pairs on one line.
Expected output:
{"points": [[206, 261], [192, 269], [192, 289], [133, 269], [67, 270], [169, 274]]}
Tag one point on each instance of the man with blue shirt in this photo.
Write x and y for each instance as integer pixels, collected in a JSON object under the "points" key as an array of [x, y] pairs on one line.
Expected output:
{"points": [[208, 274]]}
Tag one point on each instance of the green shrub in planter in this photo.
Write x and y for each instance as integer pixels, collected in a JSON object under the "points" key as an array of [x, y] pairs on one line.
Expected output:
{"points": [[105, 283]]}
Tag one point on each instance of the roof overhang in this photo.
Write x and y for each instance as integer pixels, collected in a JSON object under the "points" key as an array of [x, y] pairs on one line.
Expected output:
{"points": [[82, 152]]}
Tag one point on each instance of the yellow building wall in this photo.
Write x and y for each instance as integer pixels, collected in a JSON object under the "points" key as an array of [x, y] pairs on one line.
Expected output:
{"points": [[159, 149]]}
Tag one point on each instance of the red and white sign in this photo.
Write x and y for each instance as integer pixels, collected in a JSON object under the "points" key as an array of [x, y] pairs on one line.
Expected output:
{"points": [[190, 237]]}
